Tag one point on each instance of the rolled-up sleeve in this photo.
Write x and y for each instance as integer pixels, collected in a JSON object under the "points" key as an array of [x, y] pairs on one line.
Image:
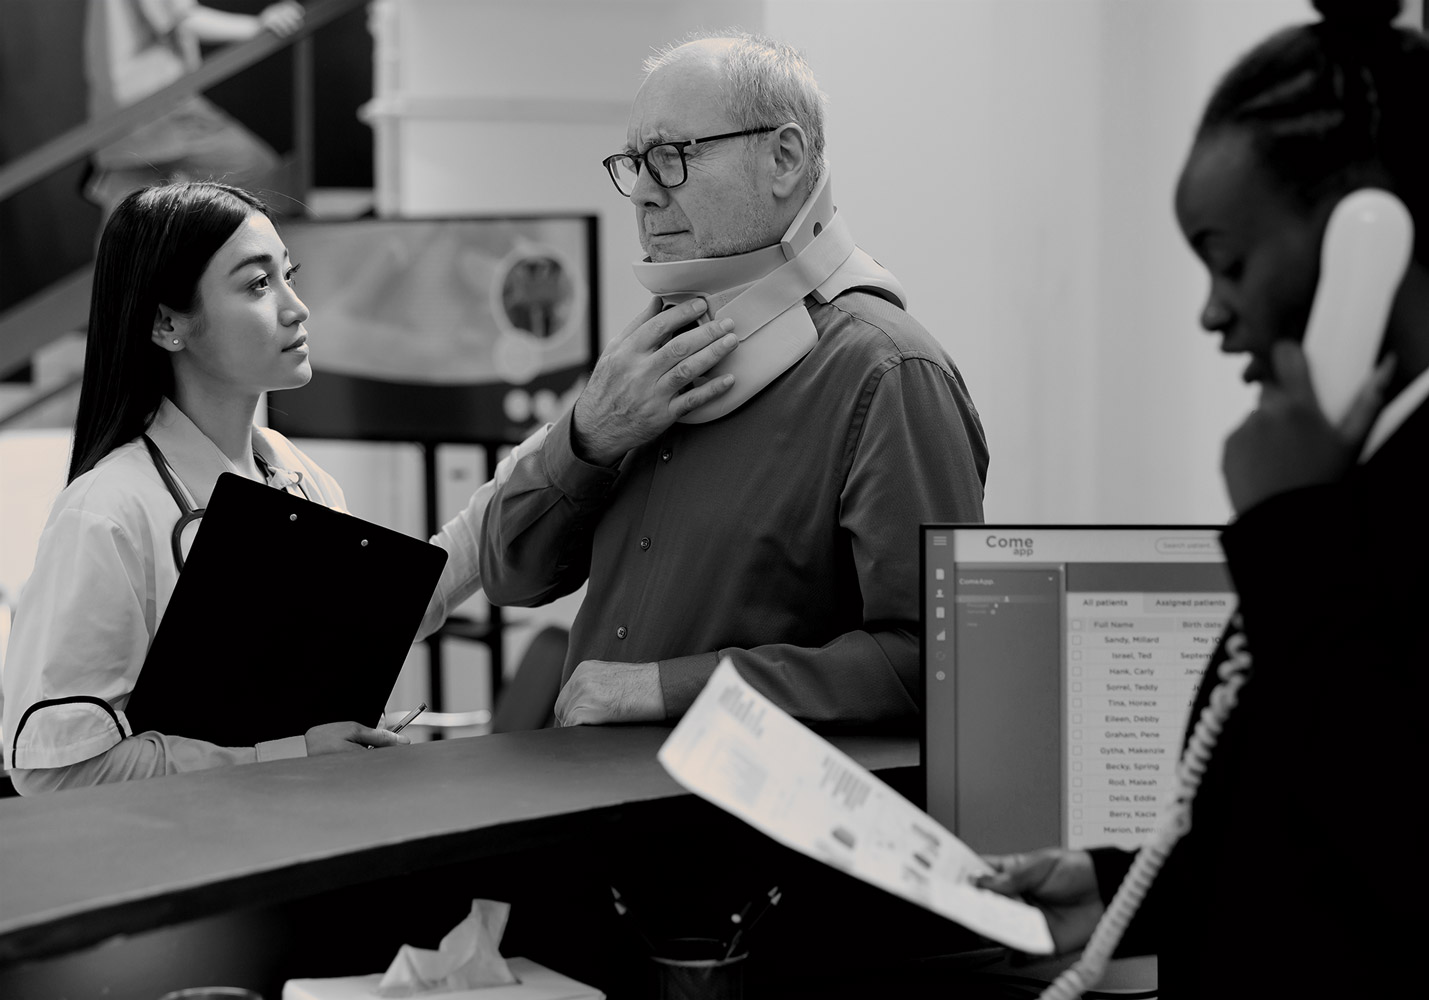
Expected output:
{"points": [[536, 536]]}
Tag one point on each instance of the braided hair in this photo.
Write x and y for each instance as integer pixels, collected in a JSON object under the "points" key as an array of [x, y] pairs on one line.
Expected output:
{"points": [[1335, 105]]}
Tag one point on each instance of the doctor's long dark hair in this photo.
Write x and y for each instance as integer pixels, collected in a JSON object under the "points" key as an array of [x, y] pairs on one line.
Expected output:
{"points": [[154, 249], [1335, 105]]}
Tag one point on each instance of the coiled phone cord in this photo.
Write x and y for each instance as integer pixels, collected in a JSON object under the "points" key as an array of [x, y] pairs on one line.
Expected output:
{"points": [[1172, 825]]}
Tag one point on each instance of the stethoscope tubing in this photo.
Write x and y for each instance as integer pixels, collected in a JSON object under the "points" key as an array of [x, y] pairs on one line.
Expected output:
{"points": [[187, 514]]}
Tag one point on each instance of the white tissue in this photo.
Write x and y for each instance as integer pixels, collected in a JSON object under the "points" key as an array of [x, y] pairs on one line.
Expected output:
{"points": [[467, 958]]}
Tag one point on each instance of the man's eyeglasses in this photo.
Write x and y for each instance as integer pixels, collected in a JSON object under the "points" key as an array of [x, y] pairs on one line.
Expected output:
{"points": [[665, 160]]}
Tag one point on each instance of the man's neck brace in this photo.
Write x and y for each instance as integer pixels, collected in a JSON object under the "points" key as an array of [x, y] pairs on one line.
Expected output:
{"points": [[763, 291]]}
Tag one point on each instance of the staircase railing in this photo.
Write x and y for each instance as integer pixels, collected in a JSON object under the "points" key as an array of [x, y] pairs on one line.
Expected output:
{"points": [[20, 336]]}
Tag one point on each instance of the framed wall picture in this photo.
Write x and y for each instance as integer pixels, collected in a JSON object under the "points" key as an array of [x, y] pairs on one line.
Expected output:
{"points": [[460, 330]]}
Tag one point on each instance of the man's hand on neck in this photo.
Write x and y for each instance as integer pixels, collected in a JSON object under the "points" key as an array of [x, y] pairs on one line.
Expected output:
{"points": [[640, 385]]}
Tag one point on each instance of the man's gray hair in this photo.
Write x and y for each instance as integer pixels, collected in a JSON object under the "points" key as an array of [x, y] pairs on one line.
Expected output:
{"points": [[766, 83]]}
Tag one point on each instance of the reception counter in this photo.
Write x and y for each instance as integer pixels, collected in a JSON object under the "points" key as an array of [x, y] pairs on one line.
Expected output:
{"points": [[323, 866]]}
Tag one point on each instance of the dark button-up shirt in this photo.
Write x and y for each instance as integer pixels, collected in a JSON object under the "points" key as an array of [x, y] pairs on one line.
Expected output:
{"points": [[783, 535]]}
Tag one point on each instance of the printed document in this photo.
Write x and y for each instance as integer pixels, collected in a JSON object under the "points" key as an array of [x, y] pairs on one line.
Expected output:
{"points": [[739, 751]]}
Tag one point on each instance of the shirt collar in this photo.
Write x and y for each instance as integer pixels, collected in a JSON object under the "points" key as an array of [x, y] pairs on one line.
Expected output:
{"points": [[197, 462], [1395, 413]]}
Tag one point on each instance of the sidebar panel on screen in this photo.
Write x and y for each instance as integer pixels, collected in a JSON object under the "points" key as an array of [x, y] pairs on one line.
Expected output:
{"points": [[1009, 617]]}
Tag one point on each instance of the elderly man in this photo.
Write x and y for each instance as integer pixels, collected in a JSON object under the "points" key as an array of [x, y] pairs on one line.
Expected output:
{"points": [[750, 487]]}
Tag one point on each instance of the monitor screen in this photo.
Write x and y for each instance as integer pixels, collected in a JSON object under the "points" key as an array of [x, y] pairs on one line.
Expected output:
{"points": [[446, 330], [1059, 666]]}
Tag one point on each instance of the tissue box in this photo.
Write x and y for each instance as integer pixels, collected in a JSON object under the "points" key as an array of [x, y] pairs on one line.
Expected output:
{"points": [[536, 983]]}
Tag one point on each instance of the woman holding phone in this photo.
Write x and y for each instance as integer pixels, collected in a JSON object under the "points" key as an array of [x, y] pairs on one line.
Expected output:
{"points": [[193, 317], [1296, 863]]}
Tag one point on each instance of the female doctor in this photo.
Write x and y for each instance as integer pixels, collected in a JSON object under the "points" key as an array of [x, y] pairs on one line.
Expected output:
{"points": [[193, 317]]}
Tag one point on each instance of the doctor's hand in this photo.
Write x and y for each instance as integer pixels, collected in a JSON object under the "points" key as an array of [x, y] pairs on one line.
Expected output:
{"points": [[1287, 442], [1062, 884], [640, 385], [601, 691], [340, 737]]}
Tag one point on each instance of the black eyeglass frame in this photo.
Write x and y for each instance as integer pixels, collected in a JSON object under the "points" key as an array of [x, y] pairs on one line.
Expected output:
{"points": [[680, 146]]}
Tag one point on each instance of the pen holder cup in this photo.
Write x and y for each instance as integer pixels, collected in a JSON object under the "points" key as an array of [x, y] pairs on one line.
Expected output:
{"points": [[213, 993], [696, 969]]}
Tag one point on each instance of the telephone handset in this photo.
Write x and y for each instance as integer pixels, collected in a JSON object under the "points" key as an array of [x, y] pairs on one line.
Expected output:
{"points": [[1363, 257]]}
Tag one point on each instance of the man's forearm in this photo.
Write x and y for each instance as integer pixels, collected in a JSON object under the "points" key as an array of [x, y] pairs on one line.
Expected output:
{"points": [[536, 536], [860, 678]]}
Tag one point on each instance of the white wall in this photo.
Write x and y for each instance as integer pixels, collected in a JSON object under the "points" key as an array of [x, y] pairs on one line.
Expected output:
{"points": [[1037, 239], [964, 144], [1167, 398]]}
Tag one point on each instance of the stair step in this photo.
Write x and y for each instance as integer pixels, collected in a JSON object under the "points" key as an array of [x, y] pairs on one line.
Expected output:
{"points": [[61, 308]]}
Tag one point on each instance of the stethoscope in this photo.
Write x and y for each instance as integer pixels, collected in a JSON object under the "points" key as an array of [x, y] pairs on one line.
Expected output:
{"points": [[187, 514]]}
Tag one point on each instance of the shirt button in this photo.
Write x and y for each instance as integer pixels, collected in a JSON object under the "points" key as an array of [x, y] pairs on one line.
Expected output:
{"points": [[621, 632], [665, 455], [645, 542]]}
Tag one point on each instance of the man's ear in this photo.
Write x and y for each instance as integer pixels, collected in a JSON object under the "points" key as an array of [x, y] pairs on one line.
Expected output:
{"points": [[171, 328], [791, 161]]}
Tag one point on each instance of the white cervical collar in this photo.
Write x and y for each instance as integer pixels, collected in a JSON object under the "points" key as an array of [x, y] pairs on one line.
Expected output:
{"points": [[763, 292]]}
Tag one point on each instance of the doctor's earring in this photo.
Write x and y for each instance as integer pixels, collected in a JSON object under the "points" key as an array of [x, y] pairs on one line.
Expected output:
{"points": [[176, 341]]}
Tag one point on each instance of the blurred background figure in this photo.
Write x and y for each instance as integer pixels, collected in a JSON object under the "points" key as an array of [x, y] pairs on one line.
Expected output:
{"points": [[132, 49]]}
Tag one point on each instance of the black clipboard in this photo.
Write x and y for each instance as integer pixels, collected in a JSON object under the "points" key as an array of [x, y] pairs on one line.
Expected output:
{"points": [[287, 615]]}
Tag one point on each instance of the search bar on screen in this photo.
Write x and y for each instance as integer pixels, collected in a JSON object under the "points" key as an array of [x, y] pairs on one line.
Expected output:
{"points": [[1188, 546]]}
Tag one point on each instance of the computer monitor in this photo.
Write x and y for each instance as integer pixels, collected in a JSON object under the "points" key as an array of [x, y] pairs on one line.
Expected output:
{"points": [[1059, 666]]}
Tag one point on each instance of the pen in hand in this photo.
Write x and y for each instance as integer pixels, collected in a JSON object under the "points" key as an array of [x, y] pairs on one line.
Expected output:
{"points": [[406, 720]]}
